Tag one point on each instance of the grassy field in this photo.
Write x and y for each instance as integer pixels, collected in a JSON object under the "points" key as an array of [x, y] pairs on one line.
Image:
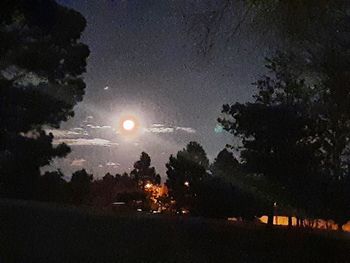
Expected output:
{"points": [[34, 232]]}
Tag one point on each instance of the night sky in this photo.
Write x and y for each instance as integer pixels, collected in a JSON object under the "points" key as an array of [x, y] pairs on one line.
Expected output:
{"points": [[143, 63]]}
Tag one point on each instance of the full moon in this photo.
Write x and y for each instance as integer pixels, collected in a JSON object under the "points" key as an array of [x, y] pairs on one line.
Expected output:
{"points": [[128, 125]]}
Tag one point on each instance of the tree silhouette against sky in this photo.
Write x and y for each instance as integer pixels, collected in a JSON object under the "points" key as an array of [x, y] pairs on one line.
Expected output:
{"points": [[41, 63]]}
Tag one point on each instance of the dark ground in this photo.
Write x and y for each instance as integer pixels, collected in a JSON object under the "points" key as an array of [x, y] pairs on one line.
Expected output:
{"points": [[35, 232]]}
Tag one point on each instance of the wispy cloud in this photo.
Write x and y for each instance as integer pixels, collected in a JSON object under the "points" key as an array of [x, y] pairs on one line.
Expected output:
{"points": [[161, 128], [98, 126], [86, 142], [88, 119], [112, 164], [79, 136], [67, 133], [78, 129], [78, 162], [186, 129]]}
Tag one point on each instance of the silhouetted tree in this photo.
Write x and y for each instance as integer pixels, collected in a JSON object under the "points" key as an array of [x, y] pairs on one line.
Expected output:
{"points": [[218, 198], [20, 162], [108, 178], [41, 63], [185, 173], [143, 173], [290, 24], [336, 205], [225, 164], [103, 192], [279, 138], [228, 192], [80, 187], [316, 33], [53, 188], [120, 188]]}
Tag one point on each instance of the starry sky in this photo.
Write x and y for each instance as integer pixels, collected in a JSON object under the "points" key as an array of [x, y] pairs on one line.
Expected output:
{"points": [[143, 63]]}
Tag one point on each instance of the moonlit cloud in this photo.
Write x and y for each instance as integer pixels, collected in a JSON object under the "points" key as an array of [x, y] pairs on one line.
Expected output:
{"points": [[78, 129], [186, 129], [79, 136], [98, 126], [112, 164], [161, 128], [88, 119], [67, 133], [86, 142], [78, 162]]}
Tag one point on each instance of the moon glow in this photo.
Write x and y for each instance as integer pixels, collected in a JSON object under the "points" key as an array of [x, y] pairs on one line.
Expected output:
{"points": [[128, 125]]}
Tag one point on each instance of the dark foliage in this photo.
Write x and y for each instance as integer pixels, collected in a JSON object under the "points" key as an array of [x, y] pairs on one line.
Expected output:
{"points": [[41, 63], [219, 199], [80, 187], [185, 174], [292, 142], [226, 192], [53, 188], [110, 189], [143, 173]]}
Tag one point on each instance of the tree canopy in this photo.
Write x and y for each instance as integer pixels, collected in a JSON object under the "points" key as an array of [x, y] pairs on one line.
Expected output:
{"points": [[225, 164], [143, 173], [185, 171], [41, 63], [289, 140], [80, 187], [296, 131]]}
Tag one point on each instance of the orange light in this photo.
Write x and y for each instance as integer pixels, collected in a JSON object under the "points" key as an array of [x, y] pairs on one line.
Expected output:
{"points": [[148, 185]]}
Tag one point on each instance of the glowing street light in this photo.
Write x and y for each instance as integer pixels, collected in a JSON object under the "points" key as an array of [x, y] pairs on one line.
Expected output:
{"points": [[187, 184]]}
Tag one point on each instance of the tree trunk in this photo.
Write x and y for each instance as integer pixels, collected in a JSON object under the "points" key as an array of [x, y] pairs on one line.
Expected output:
{"points": [[290, 221], [270, 217], [270, 220], [340, 227], [311, 223], [300, 222]]}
